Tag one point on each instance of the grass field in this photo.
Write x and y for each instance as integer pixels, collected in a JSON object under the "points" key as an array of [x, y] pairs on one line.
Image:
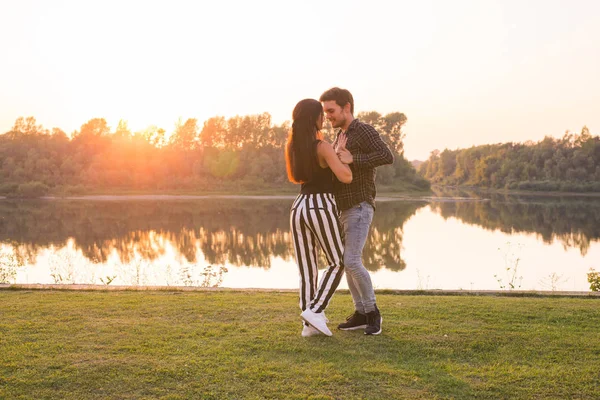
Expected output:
{"points": [[247, 345]]}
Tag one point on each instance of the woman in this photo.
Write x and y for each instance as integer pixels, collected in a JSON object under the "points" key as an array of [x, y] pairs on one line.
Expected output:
{"points": [[312, 162]]}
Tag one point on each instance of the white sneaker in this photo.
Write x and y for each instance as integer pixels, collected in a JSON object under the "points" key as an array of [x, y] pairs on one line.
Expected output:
{"points": [[317, 320], [324, 316], [309, 331]]}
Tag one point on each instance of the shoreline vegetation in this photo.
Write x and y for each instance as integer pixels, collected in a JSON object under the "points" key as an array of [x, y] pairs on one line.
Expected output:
{"points": [[567, 164], [438, 193], [243, 155], [231, 345], [240, 154]]}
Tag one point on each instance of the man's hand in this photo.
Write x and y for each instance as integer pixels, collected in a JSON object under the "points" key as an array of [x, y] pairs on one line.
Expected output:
{"points": [[345, 156]]}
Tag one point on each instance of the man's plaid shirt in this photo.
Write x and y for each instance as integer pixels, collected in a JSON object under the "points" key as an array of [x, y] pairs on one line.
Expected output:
{"points": [[368, 152]]}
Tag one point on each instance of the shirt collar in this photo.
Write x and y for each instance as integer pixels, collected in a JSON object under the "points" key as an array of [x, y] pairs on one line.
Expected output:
{"points": [[351, 126]]}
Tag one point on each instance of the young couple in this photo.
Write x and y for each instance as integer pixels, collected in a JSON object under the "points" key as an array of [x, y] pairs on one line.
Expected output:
{"points": [[334, 177]]}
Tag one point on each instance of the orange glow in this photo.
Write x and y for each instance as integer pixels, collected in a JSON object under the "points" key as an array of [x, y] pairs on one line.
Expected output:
{"points": [[464, 72]]}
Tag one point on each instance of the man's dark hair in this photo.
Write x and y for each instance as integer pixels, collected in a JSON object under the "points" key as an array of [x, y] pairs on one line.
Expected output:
{"points": [[341, 97]]}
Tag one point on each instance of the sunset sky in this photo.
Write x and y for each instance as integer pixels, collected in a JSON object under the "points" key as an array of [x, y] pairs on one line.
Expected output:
{"points": [[464, 72]]}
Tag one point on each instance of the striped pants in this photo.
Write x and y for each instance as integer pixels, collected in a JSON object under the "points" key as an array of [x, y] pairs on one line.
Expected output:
{"points": [[314, 219]]}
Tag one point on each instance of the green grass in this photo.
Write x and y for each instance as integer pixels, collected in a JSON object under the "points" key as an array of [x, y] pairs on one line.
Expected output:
{"points": [[247, 345]]}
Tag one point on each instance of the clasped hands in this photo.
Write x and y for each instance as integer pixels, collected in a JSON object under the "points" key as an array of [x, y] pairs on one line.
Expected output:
{"points": [[342, 152]]}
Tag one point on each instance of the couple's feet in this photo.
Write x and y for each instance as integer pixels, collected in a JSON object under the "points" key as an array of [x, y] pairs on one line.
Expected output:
{"points": [[316, 323], [370, 322]]}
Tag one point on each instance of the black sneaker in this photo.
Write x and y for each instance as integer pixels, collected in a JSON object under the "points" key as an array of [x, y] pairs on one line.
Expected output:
{"points": [[353, 322], [373, 322]]}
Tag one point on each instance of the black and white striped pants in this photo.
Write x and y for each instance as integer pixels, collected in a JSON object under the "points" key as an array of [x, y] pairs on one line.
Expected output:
{"points": [[314, 219]]}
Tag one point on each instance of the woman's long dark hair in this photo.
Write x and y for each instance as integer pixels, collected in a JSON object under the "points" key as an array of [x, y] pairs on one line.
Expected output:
{"points": [[300, 149]]}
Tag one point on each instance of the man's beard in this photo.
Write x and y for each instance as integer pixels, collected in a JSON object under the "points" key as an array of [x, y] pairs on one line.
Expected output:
{"points": [[340, 122]]}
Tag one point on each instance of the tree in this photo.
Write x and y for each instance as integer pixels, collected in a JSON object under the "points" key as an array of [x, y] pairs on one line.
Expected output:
{"points": [[155, 136], [122, 130], [28, 126], [392, 131], [389, 128], [94, 127], [185, 136], [246, 150], [214, 132]]}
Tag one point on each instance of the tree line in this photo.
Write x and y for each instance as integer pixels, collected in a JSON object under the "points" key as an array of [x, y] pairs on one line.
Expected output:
{"points": [[237, 153], [569, 164]]}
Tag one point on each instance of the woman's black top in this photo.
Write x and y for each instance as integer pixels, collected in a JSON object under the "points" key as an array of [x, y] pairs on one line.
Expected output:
{"points": [[322, 179]]}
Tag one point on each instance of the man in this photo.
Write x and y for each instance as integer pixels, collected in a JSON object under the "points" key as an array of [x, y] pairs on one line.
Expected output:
{"points": [[364, 151]]}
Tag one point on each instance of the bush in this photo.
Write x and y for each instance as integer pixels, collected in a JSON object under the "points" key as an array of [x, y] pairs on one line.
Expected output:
{"points": [[32, 189], [421, 182], [540, 186], [70, 190], [7, 189], [511, 185], [594, 280]]}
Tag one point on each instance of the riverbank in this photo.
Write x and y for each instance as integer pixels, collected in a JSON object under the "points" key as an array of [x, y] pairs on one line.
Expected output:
{"points": [[218, 195], [477, 191], [247, 345], [439, 194], [415, 292]]}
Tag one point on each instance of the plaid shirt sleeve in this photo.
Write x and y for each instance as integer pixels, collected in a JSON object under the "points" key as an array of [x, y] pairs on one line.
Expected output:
{"points": [[374, 150]]}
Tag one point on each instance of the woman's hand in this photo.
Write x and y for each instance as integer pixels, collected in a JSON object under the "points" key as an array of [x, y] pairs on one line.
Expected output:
{"points": [[341, 142], [342, 152]]}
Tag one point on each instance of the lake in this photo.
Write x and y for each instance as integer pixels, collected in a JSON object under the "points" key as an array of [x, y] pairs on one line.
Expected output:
{"points": [[469, 243]]}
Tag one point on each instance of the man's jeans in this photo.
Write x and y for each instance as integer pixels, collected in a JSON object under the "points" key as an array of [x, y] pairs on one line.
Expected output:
{"points": [[356, 222]]}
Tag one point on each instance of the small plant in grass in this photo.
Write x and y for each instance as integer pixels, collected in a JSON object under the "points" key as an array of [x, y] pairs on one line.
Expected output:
{"points": [[209, 277], [552, 281], [212, 276], [420, 281], [186, 275], [594, 280], [511, 267], [62, 267], [8, 267], [138, 276], [108, 280]]}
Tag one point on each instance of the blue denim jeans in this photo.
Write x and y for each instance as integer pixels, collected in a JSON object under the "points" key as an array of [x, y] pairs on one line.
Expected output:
{"points": [[356, 222]]}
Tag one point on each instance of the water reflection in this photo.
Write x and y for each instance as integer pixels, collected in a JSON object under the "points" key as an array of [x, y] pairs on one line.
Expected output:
{"points": [[575, 222], [193, 242], [225, 231], [221, 231]]}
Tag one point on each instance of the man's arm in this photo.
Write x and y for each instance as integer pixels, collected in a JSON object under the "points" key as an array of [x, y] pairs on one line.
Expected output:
{"points": [[375, 151]]}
